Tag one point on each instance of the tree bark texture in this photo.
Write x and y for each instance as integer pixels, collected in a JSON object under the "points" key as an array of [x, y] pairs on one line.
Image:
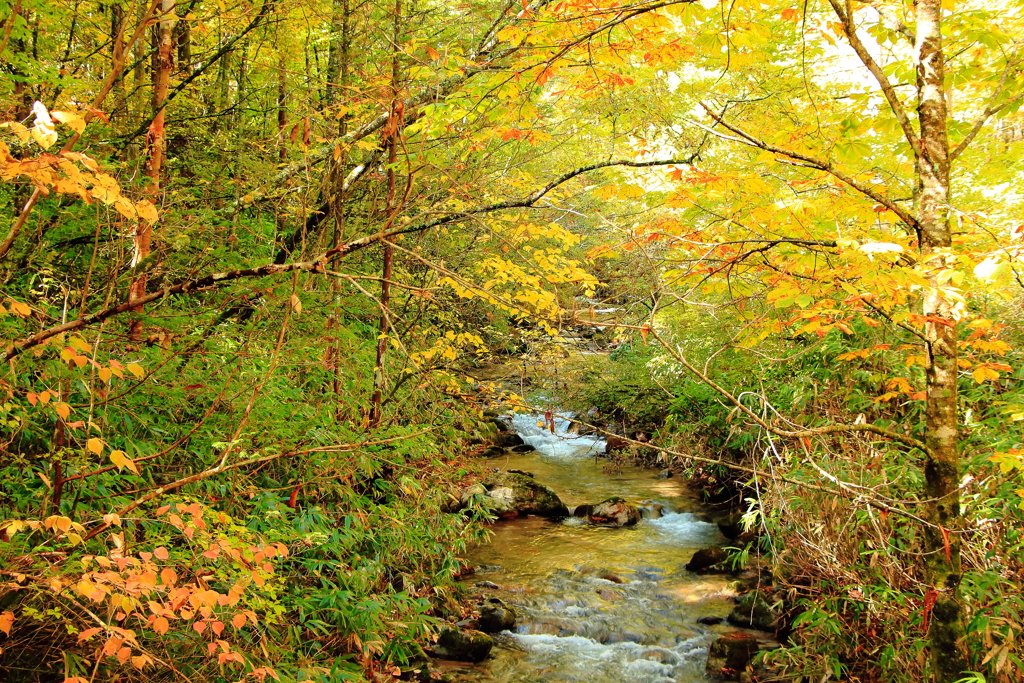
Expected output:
{"points": [[942, 465]]}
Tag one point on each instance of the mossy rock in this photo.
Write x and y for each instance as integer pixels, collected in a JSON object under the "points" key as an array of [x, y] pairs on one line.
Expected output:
{"points": [[463, 646], [496, 616], [753, 611], [730, 654], [709, 560]]}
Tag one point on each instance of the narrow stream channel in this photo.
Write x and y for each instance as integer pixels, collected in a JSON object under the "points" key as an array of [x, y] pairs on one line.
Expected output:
{"points": [[600, 605]]}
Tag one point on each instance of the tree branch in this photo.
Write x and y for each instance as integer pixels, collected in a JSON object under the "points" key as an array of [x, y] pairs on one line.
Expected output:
{"points": [[989, 112], [268, 5], [760, 422], [846, 17], [809, 162]]}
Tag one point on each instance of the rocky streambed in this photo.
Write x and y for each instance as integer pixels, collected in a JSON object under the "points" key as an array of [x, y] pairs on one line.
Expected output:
{"points": [[605, 596]]}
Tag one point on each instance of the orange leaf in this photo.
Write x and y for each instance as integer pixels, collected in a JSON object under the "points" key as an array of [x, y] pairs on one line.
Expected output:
{"points": [[945, 543], [6, 621], [88, 633]]}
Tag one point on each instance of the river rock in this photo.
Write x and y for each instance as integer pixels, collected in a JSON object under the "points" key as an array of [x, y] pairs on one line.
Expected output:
{"points": [[500, 424], [523, 448], [665, 474], [710, 621], [614, 444], [463, 646], [708, 560], [614, 512], [508, 440], [508, 494], [731, 525], [496, 616], [582, 511], [730, 654], [753, 611]]}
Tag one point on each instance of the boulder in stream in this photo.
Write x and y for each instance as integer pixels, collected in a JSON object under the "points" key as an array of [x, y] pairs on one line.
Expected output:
{"points": [[730, 654], [496, 616], [731, 525], [754, 611], [508, 440], [614, 512], [582, 511], [463, 646], [509, 494], [709, 560]]}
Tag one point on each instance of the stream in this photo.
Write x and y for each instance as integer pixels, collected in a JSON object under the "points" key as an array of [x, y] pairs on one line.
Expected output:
{"points": [[595, 604]]}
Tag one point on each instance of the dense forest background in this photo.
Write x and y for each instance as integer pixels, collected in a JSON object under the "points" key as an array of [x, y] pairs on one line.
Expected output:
{"points": [[251, 251]]}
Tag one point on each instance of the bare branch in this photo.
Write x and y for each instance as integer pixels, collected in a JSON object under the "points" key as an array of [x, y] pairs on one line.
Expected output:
{"points": [[846, 17]]}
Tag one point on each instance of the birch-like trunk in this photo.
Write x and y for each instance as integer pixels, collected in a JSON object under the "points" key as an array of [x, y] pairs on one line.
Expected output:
{"points": [[942, 465]]}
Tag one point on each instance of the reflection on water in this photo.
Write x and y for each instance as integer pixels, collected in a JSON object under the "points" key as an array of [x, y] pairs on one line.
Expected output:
{"points": [[600, 605]]}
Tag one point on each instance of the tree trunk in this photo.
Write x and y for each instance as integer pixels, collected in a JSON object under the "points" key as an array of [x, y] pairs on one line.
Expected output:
{"points": [[337, 57], [282, 101], [156, 143], [942, 466], [392, 133], [117, 20]]}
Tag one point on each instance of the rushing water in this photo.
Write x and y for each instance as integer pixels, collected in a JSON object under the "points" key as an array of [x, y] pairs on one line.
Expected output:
{"points": [[597, 605]]}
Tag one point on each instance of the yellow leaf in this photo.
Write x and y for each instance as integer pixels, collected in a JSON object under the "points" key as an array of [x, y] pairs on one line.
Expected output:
{"points": [[19, 130], [125, 207], [63, 409], [136, 370], [982, 373], [121, 459], [20, 308], [70, 119], [105, 374], [95, 445], [146, 210]]}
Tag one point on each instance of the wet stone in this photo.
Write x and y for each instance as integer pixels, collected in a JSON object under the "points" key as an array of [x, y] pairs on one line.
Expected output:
{"points": [[708, 560], [730, 654], [496, 616], [753, 611], [614, 512], [464, 646], [710, 621]]}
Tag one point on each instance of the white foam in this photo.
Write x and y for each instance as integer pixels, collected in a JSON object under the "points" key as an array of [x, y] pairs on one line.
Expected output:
{"points": [[560, 444], [623, 661], [685, 526]]}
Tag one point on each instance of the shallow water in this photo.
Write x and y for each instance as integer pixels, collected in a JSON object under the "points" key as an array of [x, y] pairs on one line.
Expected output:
{"points": [[599, 605]]}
